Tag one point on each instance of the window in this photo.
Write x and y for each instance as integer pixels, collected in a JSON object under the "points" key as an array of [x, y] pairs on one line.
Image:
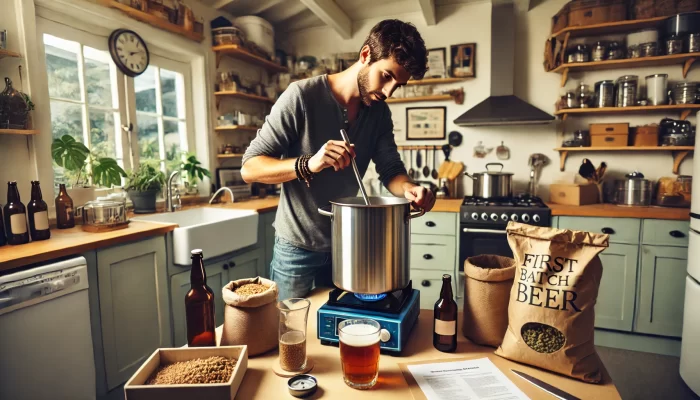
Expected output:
{"points": [[88, 102]]}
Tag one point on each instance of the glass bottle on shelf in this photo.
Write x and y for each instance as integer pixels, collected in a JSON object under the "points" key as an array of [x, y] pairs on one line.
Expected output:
{"points": [[64, 209], [199, 306], [445, 318], [38, 214], [16, 110], [15, 217]]}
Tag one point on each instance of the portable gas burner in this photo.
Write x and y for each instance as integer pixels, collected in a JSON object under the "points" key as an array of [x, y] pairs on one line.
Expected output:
{"points": [[396, 312]]}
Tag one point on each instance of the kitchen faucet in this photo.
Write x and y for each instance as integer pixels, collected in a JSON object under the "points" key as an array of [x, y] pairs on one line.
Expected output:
{"points": [[170, 206], [221, 189]]}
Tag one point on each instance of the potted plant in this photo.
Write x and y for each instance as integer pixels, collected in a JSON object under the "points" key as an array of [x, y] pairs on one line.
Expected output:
{"points": [[193, 171], [142, 185], [73, 156]]}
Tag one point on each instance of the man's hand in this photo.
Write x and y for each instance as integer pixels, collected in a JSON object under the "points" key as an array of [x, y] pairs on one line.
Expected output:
{"points": [[335, 153], [421, 197]]}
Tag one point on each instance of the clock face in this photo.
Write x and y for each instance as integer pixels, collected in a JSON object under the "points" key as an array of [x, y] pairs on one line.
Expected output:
{"points": [[129, 52]]}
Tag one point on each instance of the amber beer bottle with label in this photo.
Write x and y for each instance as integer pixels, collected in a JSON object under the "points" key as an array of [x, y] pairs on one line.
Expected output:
{"points": [[38, 214], [64, 209], [15, 217], [445, 318], [199, 306]]}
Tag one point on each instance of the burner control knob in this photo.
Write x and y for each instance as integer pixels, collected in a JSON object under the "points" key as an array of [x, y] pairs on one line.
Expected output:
{"points": [[536, 218], [494, 217], [475, 216], [526, 218], [504, 217], [484, 216], [384, 335], [514, 217]]}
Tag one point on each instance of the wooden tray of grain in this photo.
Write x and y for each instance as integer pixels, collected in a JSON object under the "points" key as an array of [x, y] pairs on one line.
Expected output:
{"points": [[137, 389]]}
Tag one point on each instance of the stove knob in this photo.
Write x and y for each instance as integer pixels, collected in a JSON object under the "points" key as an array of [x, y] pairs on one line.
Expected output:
{"points": [[514, 217], [484, 216], [384, 335], [526, 218], [475, 216], [494, 217], [504, 217], [536, 218]]}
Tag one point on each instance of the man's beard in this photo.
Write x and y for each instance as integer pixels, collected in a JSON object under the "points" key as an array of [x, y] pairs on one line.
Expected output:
{"points": [[363, 85]]}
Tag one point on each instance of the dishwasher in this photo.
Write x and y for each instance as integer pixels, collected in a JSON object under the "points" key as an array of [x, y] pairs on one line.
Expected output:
{"points": [[45, 337]]}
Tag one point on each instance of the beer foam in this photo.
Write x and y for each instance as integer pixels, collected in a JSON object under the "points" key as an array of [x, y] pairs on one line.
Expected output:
{"points": [[359, 335]]}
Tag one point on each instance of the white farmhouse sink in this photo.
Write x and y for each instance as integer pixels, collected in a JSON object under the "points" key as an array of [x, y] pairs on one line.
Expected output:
{"points": [[216, 231]]}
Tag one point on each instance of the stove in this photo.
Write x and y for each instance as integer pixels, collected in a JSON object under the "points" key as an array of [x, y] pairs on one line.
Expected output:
{"points": [[397, 313], [483, 223]]}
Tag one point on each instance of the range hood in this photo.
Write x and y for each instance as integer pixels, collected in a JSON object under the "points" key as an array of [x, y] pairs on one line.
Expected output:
{"points": [[502, 107]]}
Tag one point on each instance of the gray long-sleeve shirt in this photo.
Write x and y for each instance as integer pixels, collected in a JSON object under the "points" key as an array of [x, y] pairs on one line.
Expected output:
{"points": [[305, 117]]}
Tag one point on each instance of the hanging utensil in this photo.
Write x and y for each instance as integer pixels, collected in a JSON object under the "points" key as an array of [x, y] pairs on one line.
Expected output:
{"points": [[446, 148], [411, 171], [354, 168], [435, 173], [503, 152], [536, 162], [419, 160], [426, 169], [600, 171]]}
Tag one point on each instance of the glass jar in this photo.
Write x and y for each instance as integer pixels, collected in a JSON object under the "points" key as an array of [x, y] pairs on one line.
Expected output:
{"points": [[583, 93], [582, 54], [694, 42], [572, 101], [674, 45], [15, 111], [634, 51], [582, 138], [648, 49], [599, 52], [616, 51]]}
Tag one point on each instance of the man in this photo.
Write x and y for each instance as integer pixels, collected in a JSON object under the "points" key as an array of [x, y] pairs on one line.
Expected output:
{"points": [[300, 146]]}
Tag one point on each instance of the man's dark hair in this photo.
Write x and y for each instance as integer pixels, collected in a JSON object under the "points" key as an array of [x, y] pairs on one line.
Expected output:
{"points": [[400, 40]]}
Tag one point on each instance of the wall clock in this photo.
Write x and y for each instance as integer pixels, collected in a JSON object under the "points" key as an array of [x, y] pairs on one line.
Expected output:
{"points": [[129, 52]]}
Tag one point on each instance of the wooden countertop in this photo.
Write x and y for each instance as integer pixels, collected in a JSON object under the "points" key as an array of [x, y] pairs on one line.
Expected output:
{"points": [[614, 211], [260, 382], [447, 205], [65, 242]]}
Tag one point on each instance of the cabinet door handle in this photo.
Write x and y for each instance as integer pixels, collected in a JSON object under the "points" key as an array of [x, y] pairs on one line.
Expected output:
{"points": [[425, 283], [428, 256], [225, 265], [677, 234], [608, 231], [430, 224]]}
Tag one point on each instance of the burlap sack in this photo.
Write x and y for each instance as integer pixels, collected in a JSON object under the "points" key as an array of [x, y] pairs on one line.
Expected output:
{"points": [[251, 320], [489, 279], [550, 315]]}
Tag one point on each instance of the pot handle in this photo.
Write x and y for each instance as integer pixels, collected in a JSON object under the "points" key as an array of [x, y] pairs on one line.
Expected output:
{"points": [[325, 213], [470, 175], [494, 163], [415, 214]]}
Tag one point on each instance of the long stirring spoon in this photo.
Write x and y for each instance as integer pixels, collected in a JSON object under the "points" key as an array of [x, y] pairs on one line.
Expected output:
{"points": [[435, 173], [354, 168], [411, 171], [426, 169]]}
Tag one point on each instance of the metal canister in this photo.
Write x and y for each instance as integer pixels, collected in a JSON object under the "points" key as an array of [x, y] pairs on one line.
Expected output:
{"points": [[599, 51], [627, 91], [571, 99], [582, 54], [633, 51], [674, 45], [604, 94], [685, 92], [694, 42], [616, 51], [657, 92], [648, 49]]}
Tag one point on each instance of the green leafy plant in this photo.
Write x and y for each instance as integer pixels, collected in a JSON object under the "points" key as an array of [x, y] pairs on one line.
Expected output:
{"points": [[28, 100], [74, 156], [145, 178], [192, 169]]}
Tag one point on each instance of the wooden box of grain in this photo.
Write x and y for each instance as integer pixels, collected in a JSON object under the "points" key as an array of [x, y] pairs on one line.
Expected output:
{"points": [[136, 388], [609, 135]]}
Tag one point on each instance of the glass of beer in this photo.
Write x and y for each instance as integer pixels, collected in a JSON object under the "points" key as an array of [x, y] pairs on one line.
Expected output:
{"points": [[359, 352]]}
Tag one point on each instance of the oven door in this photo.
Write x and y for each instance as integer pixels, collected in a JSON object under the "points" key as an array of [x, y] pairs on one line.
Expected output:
{"points": [[474, 242]]}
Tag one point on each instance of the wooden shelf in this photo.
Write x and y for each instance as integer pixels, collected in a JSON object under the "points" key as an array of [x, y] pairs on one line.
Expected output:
{"points": [[609, 28], [434, 81], [456, 95], [152, 20], [237, 52], [229, 155], [19, 132], [684, 109], [685, 59], [242, 128], [679, 153], [8, 53], [244, 96]]}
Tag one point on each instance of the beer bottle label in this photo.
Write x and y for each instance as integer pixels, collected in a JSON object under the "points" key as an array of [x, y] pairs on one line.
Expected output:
{"points": [[446, 328], [18, 224], [41, 220]]}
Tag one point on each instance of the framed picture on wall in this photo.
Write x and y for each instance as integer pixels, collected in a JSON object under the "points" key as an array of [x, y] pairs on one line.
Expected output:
{"points": [[437, 65], [425, 123], [463, 58]]}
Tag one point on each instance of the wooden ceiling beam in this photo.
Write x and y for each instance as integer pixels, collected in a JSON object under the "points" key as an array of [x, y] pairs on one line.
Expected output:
{"points": [[427, 8], [331, 15]]}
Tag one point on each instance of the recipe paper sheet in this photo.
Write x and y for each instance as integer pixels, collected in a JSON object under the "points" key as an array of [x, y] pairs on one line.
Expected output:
{"points": [[463, 380]]}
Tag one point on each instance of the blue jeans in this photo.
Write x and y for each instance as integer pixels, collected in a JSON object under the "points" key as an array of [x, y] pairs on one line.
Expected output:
{"points": [[296, 271]]}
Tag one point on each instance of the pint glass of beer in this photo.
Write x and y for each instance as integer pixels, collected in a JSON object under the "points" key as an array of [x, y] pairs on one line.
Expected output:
{"points": [[359, 352]]}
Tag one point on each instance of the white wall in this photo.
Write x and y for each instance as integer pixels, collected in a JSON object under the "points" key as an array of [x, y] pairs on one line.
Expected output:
{"points": [[471, 23]]}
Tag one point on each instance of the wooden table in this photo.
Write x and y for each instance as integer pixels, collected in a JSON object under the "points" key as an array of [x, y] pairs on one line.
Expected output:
{"points": [[261, 383]]}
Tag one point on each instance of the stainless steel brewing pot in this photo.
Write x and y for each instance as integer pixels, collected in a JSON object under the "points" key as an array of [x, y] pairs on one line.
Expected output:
{"points": [[371, 243], [492, 184]]}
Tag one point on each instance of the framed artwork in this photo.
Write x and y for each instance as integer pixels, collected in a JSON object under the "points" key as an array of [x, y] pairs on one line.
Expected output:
{"points": [[437, 65], [425, 123], [463, 58]]}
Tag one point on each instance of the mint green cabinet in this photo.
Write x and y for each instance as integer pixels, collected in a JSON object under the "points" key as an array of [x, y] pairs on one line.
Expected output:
{"points": [[661, 290], [615, 305]]}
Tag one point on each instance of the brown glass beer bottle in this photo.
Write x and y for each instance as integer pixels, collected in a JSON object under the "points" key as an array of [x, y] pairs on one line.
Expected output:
{"points": [[199, 306], [38, 214], [15, 217], [445, 318], [64, 209]]}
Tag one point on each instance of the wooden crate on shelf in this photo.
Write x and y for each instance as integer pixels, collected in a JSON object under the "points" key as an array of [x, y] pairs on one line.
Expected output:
{"points": [[591, 12]]}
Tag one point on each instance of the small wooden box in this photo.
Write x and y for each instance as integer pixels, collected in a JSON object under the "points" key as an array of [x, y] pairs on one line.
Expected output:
{"points": [[136, 389], [573, 194], [646, 136], [609, 135]]}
